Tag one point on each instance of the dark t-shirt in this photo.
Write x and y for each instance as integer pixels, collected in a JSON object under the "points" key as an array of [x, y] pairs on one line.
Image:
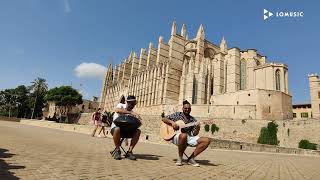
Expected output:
{"points": [[180, 116], [97, 116]]}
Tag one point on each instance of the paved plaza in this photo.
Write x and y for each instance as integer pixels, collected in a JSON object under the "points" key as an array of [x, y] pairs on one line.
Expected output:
{"points": [[29, 152]]}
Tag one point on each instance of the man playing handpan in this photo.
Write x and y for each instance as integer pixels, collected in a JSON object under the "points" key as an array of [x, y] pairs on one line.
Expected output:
{"points": [[118, 133]]}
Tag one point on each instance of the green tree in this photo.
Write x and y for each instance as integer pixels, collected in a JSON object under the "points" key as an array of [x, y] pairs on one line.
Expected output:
{"points": [[39, 88], [64, 97], [23, 100], [268, 135], [9, 101]]}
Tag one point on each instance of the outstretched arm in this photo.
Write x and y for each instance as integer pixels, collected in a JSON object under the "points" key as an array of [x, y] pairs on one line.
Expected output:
{"points": [[122, 111], [172, 123]]}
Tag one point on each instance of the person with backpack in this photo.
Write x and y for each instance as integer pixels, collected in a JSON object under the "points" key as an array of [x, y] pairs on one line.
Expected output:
{"points": [[97, 120]]}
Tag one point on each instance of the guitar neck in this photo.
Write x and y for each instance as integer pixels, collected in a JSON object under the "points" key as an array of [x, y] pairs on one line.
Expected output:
{"points": [[189, 125]]}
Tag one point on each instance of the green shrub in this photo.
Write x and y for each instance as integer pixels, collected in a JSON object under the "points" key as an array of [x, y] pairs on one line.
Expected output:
{"points": [[268, 135], [305, 144], [163, 114], [214, 128], [206, 127]]}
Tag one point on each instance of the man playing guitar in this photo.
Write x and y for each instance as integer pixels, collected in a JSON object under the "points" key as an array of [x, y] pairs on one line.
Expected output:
{"points": [[188, 135]]}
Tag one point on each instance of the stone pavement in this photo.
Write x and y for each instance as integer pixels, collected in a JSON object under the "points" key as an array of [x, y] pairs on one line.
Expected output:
{"points": [[29, 152]]}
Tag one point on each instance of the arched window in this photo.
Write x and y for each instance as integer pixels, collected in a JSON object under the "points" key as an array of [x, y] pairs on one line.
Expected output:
{"points": [[194, 90], [278, 79], [243, 75]]}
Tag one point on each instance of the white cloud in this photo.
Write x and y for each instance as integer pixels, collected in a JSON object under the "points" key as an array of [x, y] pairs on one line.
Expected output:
{"points": [[67, 8], [90, 70]]}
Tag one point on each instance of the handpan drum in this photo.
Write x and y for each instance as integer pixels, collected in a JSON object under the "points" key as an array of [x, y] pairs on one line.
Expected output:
{"points": [[127, 123]]}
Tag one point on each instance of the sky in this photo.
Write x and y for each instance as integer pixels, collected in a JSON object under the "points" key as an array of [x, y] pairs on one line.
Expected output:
{"points": [[71, 42]]}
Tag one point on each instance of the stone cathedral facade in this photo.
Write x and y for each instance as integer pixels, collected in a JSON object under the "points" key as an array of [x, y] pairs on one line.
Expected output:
{"points": [[220, 82]]}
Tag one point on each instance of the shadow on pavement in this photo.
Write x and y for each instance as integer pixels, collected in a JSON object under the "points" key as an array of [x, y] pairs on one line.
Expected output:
{"points": [[147, 156], [206, 163], [5, 167], [201, 162]]}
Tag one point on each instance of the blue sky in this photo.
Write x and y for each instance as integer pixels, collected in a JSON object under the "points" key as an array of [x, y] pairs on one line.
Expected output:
{"points": [[50, 38]]}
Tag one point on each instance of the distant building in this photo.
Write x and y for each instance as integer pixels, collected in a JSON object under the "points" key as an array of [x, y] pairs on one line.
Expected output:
{"points": [[220, 82], [88, 106], [302, 111], [312, 110]]}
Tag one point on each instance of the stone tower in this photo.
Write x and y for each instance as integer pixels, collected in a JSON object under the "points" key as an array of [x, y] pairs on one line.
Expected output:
{"points": [[314, 84]]}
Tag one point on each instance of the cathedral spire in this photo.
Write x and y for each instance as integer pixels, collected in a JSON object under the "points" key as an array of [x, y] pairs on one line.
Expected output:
{"points": [[134, 55], [174, 28], [160, 39], [223, 45], [130, 56], [183, 31], [150, 45], [200, 33]]}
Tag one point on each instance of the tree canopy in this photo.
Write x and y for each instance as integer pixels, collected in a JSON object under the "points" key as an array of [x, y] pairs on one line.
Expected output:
{"points": [[64, 97]]}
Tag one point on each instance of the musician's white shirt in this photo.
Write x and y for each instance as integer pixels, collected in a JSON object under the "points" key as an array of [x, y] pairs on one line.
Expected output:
{"points": [[116, 115]]}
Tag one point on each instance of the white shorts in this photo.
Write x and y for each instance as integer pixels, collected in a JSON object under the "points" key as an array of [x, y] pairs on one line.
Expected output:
{"points": [[191, 140]]}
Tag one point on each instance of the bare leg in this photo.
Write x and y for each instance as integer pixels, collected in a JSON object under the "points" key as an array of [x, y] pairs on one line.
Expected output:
{"points": [[100, 130], [134, 139], [94, 131], [182, 144], [203, 143], [104, 131], [116, 137]]}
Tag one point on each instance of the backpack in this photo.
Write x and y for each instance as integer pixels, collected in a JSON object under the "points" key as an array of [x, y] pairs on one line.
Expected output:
{"points": [[107, 118]]}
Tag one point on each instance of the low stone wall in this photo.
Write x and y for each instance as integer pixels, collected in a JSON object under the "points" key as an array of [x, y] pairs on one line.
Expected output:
{"points": [[85, 129], [290, 132], [4, 118], [242, 146], [148, 136]]}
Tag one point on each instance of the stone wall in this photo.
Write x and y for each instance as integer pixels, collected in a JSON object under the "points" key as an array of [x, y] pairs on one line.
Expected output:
{"points": [[85, 118], [152, 125], [268, 104], [4, 118], [291, 132], [246, 130], [242, 130], [242, 146]]}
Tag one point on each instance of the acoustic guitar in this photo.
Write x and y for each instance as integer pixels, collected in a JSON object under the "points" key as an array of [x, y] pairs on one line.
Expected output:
{"points": [[167, 132]]}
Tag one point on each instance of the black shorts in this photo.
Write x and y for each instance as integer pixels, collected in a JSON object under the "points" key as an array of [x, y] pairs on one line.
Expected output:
{"points": [[124, 134]]}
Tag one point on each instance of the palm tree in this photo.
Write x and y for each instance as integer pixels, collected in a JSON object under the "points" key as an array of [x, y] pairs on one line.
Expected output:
{"points": [[39, 86]]}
